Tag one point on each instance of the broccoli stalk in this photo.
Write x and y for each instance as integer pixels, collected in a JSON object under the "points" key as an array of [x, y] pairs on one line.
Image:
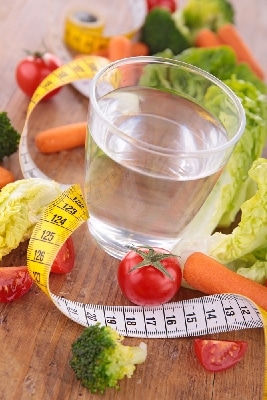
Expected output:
{"points": [[100, 360], [9, 137]]}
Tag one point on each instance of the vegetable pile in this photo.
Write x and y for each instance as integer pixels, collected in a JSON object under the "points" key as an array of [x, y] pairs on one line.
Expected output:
{"points": [[179, 29], [241, 190], [203, 34]]}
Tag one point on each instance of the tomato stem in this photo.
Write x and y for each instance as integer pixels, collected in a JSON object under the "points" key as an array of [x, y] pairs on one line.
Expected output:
{"points": [[151, 258]]}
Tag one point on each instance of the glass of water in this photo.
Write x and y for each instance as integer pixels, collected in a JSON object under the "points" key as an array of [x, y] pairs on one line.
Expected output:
{"points": [[159, 134]]}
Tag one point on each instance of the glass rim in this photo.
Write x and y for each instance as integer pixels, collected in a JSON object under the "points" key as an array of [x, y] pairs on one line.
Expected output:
{"points": [[185, 66]]}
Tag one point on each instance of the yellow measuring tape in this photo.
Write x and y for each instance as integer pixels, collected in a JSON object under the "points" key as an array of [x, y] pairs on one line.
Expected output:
{"points": [[88, 29], [67, 212]]}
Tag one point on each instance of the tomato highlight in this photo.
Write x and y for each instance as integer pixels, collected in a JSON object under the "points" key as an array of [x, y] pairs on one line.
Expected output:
{"points": [[33, 69], [219, 355], [149, 276], [14, 283]]}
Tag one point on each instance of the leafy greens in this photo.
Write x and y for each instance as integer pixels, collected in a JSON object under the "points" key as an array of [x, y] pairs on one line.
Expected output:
{"points": [[21, 205], [241, 185]]}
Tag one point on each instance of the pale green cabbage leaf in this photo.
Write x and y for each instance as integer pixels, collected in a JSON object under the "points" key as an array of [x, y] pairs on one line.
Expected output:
{"points": [[21, 205]]}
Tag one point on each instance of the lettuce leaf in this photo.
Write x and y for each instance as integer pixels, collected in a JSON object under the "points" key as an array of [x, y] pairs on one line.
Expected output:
{"points": [[21, 205], [242, 187], [234, 186], [251, 233], [244, 250]]}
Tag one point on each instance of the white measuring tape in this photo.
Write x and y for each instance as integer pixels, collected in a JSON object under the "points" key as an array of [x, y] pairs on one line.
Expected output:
{"points": [[198, 316]]}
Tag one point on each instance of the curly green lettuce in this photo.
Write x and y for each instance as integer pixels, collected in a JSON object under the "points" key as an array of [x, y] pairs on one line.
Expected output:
{"points": [[21, 205]]}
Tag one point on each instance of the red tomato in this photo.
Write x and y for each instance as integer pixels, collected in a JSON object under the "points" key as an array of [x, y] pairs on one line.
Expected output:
{"points": [[171, 5], [149, 276], [65, 258], [219, 355], [33, 69], [14, 283]]}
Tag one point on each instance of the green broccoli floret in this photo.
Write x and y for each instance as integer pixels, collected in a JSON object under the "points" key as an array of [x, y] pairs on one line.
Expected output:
{"points": [[199, 14], [9, 137], [100, 360], [159, 32]]}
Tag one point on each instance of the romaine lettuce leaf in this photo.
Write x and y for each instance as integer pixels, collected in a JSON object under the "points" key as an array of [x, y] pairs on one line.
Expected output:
{"points": [[244, 250], [251, 233], [243, 183], [234, 186]]}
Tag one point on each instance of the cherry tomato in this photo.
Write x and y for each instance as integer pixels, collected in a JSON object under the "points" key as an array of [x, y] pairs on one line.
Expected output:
{"points": [[219, 355], [149, 276], [14, 283], [33, 69], [65, 258], [171, 5]]}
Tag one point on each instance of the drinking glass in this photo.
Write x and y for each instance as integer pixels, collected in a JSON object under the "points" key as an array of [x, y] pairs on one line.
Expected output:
{"points": [[159, 134]]}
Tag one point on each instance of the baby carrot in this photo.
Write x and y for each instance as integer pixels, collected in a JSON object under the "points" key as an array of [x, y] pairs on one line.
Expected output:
{"points": [[119, 47], [229, 35], [139, 49], [6, 177], [205, 274], [61, 138], [207, 38]]}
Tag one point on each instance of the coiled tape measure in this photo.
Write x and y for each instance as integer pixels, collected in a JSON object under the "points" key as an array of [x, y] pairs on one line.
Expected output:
{"points": [[198, 316], [87, 30]]}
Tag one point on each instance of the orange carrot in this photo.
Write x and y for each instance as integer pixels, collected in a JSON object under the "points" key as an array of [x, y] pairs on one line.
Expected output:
{"points": [[6, 177], [119, 47], [210, 277], [207, 38], [101, 52], [61, 138], [139, 49], [229, 35]]}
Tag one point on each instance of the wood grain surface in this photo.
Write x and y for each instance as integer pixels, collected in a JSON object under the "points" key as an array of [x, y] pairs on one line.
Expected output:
{"points": [[35, 337]]}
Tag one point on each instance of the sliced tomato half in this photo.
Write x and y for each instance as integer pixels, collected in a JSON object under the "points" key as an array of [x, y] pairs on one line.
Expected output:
{"points": [[219, 355]]}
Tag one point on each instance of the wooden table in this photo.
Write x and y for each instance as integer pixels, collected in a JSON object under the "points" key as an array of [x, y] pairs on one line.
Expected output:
{"points": [[35, 337]]}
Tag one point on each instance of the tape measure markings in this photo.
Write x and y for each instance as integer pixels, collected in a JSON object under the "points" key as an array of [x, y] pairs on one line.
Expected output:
{"points": [[83, 68], [201, 316], [209, 314], [52, 230]]}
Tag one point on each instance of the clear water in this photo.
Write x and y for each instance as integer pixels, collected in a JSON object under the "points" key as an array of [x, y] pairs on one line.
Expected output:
{"points": [[139, 197]]}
